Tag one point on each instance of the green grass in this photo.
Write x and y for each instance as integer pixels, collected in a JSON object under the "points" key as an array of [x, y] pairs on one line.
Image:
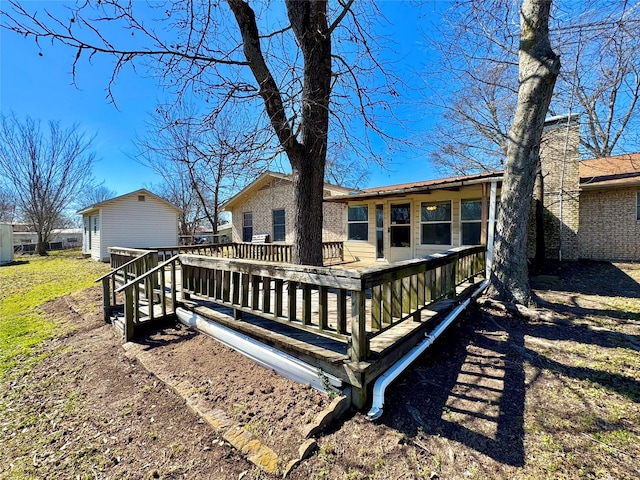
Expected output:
{"points": [[27, 284]]}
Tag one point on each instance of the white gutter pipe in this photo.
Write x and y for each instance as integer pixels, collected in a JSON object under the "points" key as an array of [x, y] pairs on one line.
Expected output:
{"points": [[390, 375], [271, 358]]}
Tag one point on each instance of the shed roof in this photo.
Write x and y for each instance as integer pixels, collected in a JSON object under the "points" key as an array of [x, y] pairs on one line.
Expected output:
{"points": [[142, 191]]}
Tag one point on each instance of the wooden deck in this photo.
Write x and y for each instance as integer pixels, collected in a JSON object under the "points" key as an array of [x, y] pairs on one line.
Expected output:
{"points": [[324, 351], [350, 321]]}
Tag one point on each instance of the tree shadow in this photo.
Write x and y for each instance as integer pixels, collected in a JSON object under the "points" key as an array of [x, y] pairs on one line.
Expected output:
{"points": [[161, 335], [586, 277], [470, 387], [14, 263]]}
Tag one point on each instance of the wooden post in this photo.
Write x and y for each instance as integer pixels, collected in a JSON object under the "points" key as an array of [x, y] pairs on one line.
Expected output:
{"points": [[341, 298], [174, 286], [244, 293], [106, 297], [292, 301], [266, 295], [359, 350], [255, 291], [387, 302], [235, 283], [306, 304], [128, 315], [279, 287], [323, 308], [376, 312], [453, 277]]}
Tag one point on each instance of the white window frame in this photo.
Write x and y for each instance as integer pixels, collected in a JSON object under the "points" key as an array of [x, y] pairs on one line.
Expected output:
{"points": [[449, 222], [478, 221], [357, 222]]}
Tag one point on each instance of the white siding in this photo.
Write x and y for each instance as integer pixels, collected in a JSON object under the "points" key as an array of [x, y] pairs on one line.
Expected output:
{"points": [[6, 243], [128, 222]]}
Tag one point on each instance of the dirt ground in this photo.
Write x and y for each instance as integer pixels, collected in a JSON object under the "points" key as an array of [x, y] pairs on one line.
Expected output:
{"points": [[497, 397]]}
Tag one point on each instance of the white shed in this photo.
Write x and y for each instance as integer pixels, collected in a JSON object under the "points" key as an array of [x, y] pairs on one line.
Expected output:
{"points": [[6, 243], [138, 219]]}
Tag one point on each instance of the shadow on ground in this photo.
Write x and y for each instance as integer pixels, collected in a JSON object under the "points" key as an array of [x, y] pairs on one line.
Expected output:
{"points": [[471, 386]]}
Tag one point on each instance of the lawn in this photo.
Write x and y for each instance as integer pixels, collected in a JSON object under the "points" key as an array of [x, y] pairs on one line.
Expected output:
{"points": [[497, 397], [26, 284]]}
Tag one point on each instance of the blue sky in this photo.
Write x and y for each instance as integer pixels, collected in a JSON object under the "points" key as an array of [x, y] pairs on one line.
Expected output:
{"points": [[41, 87]]}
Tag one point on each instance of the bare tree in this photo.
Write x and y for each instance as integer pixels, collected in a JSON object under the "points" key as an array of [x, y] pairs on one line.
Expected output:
{"points": [[344, 171], [176, 189], [539, 67], [96, 194], [202, 160], [600, 79], [304, 69], [7, 205], [45, 169]]}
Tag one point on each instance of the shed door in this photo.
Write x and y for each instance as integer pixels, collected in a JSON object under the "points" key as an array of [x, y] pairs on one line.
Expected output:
{"points": [[86, 235]]}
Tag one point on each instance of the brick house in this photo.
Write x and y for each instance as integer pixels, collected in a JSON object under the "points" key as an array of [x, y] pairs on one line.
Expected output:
{"points": [[591, 208], [265, 206], [609, 223]]}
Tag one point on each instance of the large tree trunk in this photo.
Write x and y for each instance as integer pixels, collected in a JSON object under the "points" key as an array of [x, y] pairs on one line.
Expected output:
{"points": [[538, 69], [306, 150]]}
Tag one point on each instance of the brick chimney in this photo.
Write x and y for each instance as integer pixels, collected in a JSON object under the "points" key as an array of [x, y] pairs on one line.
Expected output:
{"points": [[559, 157]]}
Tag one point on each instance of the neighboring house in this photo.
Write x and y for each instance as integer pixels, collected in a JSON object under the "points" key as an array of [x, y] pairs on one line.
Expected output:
{"points": [[6, 243], [266, 207], [138, 219]]}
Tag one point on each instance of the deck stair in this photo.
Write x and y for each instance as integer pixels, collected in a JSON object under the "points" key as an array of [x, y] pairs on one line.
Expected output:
{"points": [[139, 292]]}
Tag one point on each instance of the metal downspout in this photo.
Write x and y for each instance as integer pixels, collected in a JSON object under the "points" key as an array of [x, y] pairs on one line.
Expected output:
{"points": [[390, 375], [265, 355]]}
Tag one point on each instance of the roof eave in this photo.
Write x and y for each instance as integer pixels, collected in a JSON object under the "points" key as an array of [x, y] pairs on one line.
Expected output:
{"points": [[402, 192]]}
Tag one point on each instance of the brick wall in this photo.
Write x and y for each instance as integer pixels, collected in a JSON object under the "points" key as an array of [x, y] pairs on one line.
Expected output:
{"points": [[559, 158], [278, 194], [608, 226]]}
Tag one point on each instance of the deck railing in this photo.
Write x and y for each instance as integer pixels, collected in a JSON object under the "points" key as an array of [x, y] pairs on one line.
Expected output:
{"points": [[353, 306], [126, 265], [316, 298], [159, 296], [266, 252]]}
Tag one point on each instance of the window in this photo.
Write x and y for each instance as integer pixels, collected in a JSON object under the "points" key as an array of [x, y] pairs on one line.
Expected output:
{"points": [[95, 224], [400, 229], [471, 221], [435, 219], [379, 231], [638, 206], [141, 198], [278, 226], [247, 226], [358, 223]]}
